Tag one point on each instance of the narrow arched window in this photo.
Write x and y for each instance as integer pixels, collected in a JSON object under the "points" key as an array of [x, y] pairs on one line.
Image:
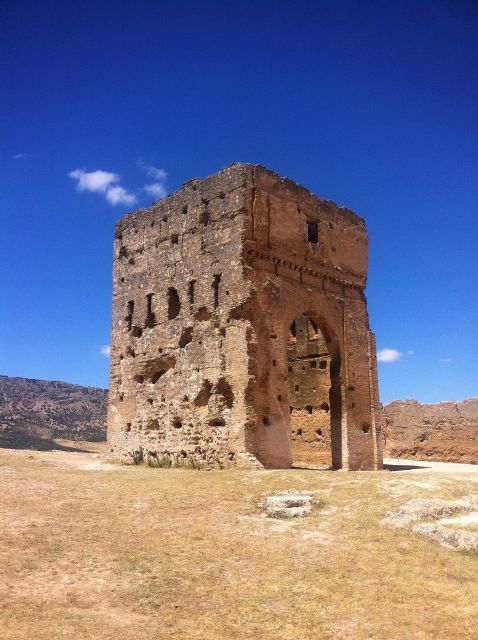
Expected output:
{"points": [[174, 305]]}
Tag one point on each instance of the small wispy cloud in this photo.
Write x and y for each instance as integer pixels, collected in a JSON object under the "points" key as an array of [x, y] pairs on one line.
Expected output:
{"points": [[156, 189], [103, 182], [105, 350], [444, 360], [19, 156], [392, 355]]}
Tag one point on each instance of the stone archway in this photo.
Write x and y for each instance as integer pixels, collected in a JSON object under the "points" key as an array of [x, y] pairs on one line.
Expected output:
{"points": [[313, 370]]}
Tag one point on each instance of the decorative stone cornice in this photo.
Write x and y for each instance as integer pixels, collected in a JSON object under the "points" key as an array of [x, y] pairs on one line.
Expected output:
{"points": [[322, 272]]}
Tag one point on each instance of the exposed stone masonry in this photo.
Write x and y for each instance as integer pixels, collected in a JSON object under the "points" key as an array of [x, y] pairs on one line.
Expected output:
{"points": [[240, 332]]}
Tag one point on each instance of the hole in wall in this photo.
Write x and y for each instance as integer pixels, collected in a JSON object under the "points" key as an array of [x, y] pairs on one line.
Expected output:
{"points": [[312, 231], [184, 210], [174, 238], [174, 304], [153, 425], [324, 406], [216, 422], [215, 287], [266, 421], [128, 427], [323, 364], [157, 375], [129, 314], [308, 408], [136, 331], [159, 367], [191, 287], [202, 314], [139, 379], [223, 388], [365, 427], [186, 337], [313, 364], [177, 424], [150, 315], [202, 398]]}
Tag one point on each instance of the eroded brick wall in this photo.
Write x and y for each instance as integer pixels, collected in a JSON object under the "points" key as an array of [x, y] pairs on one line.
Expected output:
{"points": [[207, 285]]}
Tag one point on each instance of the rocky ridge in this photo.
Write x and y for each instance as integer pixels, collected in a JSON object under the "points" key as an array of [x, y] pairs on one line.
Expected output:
{"points": [[35, 412]]}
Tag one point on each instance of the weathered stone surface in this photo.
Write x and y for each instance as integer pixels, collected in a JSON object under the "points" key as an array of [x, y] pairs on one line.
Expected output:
{"points": [[450, 532], [429, 509], [455, 539], [290, 504], [445, 431], [240, 332]]}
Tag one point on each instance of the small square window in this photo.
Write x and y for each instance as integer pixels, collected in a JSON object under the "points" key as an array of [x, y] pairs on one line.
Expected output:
{"points": [[312, 229]]}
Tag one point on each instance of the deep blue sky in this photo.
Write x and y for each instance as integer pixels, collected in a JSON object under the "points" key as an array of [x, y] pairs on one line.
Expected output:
{"points": [[372, 104]]}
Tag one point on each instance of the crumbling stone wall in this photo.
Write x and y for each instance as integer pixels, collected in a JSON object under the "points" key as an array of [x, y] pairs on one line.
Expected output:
{"points": [[444, 431], [210, 284]]}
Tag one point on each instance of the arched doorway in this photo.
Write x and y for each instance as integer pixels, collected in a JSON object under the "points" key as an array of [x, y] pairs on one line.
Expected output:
{"points": [[313, 365]]}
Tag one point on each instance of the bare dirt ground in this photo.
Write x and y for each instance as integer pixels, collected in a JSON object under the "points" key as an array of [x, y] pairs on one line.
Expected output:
{"points": [[99, 551]]}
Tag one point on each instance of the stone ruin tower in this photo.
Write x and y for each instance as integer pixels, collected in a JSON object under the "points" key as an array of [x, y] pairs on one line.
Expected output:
{"points": [[240, 332]]}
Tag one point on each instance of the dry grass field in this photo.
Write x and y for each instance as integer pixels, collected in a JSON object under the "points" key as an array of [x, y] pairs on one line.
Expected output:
{"points": [[100, 551]]}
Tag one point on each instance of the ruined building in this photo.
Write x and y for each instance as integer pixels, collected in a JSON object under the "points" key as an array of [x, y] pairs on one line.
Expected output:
{"points": [[240, 332]]}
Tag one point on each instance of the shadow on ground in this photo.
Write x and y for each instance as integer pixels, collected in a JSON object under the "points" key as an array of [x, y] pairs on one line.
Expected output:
{"points": [[44, 445], [404, 467]]}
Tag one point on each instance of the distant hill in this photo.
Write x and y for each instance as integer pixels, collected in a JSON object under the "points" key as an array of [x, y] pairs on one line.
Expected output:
{"points": [[34, 412], [445, 431]]}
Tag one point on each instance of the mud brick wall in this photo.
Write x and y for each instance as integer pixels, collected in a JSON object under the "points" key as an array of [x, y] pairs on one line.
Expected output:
{"points": [[228, 295]]}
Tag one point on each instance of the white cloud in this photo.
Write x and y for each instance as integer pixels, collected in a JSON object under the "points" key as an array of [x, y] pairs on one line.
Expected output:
{"points": [[98, 181], [19, 156], [105, 350], [158, 188], [119, 195], [444, 360], [389, 355], [103, 182]]}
